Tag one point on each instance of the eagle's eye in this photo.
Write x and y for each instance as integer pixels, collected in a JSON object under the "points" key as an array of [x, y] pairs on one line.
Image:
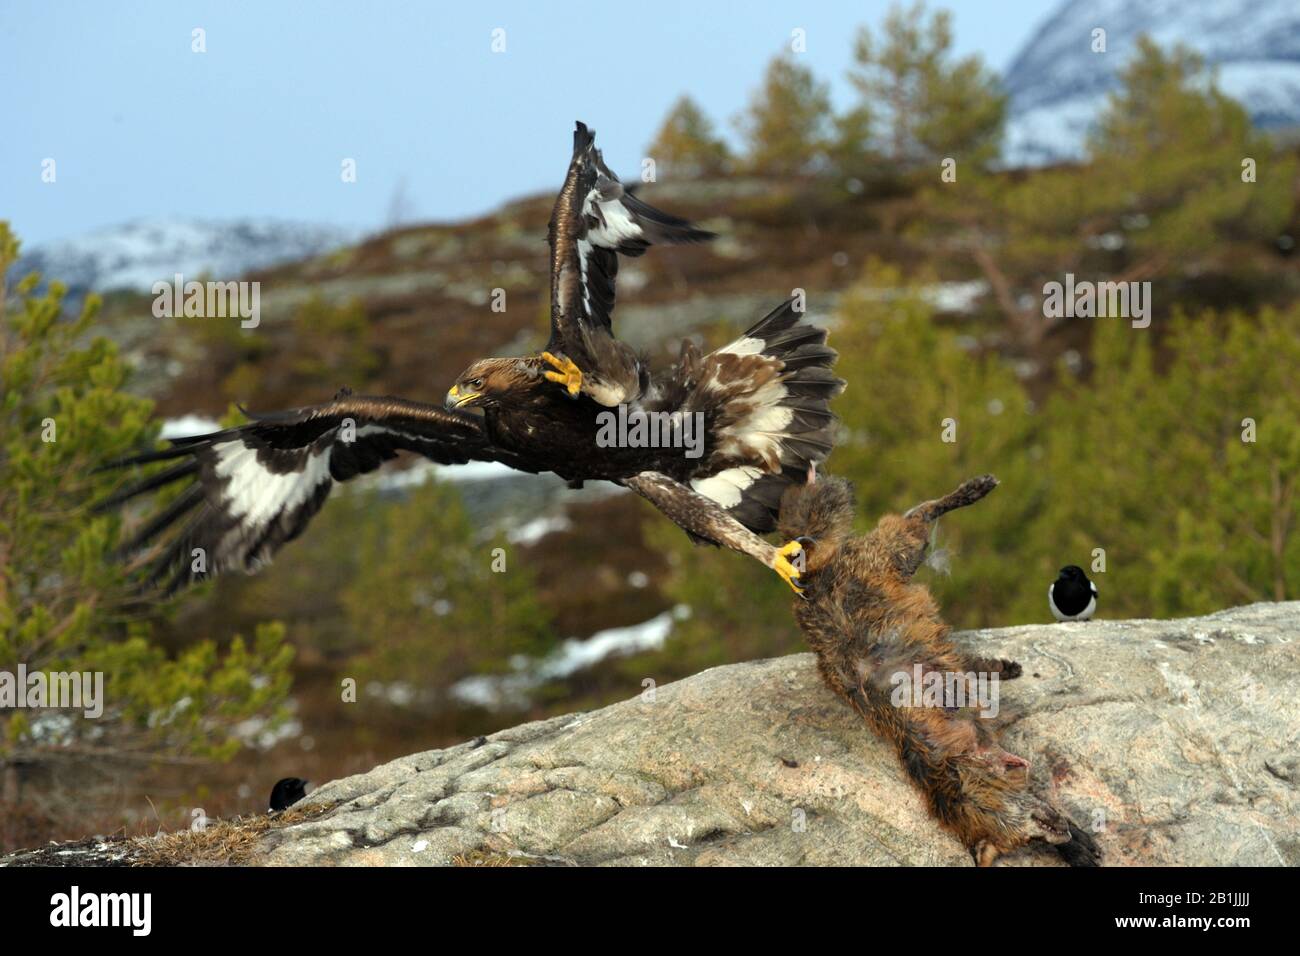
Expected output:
{"points": [[475, 383]]}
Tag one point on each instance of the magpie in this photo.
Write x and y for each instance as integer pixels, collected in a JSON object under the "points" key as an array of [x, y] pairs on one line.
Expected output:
{"points": [[1072, 597], [287, 792]]}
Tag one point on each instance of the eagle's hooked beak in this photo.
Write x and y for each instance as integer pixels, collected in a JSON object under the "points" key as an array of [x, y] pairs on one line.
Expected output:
{"points": [[456, 398]]}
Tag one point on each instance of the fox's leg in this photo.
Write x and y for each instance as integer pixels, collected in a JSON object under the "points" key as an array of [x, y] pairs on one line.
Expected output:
{"points": [[984, 853], [1081, 850], [927, 513], [967, 493], [1004, 668], [908, 535]]}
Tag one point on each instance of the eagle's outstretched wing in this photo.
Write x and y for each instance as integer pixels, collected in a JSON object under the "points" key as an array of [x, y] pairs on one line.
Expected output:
{"points": [[595, 219], [256, 486]]}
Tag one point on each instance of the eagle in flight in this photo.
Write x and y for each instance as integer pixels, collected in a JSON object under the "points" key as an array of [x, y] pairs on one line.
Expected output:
{"points": [[763, 401]]}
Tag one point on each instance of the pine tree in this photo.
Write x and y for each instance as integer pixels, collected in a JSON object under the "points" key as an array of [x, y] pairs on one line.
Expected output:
{"points": [[1157, 467], [930, 106], [63, 598], [1167, 161], [686, 144], [851, 149], [1178, 189], [786, 126]]}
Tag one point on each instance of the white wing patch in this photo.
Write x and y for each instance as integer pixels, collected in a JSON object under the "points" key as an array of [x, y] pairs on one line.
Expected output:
{"points": [[760, 432], [255, 495], [727, 487], [584, 250], [748, 346], [617, 224]]}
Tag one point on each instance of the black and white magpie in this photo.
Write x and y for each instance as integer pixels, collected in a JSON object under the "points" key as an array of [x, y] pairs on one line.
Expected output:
{"points": [[287, 792], [1072, 597]]}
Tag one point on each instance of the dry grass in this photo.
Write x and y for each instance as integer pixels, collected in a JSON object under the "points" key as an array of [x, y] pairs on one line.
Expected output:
{"points": [[221, 843], [486, 858]]}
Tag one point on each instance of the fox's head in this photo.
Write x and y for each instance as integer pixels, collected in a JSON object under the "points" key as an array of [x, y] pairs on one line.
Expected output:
{"points": [[819, 514]]}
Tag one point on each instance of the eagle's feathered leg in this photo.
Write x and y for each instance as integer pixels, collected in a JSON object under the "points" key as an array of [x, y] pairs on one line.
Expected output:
{"points": [[705, 518], [566, 373]]}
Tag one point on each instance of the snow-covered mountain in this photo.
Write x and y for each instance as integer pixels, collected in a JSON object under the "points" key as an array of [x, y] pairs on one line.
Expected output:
{"points": [[137, 254], [1057, 84]]}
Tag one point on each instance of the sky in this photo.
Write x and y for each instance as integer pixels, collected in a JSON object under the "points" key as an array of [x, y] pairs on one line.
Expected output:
{"points": [[141, 126]]}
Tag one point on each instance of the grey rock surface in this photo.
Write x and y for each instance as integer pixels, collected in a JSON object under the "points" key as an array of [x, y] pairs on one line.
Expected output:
{"points": [[1176, 741]]}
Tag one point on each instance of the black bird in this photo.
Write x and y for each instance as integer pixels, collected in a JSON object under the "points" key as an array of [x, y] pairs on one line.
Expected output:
{"points": [[287, 792], [1072, 597]]}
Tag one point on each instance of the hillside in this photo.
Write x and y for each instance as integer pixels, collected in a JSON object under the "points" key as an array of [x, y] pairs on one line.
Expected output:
{"points": [[424, 291], [135, 255]]}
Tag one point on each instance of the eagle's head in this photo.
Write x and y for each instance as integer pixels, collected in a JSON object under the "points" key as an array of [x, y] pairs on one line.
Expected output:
{"points": [[487, 382]]}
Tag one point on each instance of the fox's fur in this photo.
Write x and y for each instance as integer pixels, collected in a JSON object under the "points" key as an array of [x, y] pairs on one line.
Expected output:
{"points": [[867, 621]]}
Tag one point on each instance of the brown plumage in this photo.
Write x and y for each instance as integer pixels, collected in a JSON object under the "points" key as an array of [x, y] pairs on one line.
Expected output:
{"points": [[761, 403], [868, 623], [758, 410]]}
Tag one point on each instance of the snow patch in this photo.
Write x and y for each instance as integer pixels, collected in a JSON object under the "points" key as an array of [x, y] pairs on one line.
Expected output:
{"points": [[533, 531], [498, 691], [187, 426]]}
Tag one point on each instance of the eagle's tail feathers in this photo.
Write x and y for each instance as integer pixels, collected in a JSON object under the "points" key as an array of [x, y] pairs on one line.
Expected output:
{"points": [[786, 423]]}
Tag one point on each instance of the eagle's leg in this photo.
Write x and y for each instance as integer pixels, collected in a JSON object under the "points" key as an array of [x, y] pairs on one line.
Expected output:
{"points": [[566, 373], [705, 518]]}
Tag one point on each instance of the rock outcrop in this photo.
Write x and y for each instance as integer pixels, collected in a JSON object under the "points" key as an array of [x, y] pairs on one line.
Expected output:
{"points": [[1175, 740]]}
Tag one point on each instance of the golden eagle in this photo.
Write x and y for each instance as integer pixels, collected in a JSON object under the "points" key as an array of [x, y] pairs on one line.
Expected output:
{"points": [[759, 406]]}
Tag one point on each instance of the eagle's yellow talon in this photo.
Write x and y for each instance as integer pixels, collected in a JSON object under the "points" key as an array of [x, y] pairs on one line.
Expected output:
{"points": [[789, 565], [566, 373]]}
